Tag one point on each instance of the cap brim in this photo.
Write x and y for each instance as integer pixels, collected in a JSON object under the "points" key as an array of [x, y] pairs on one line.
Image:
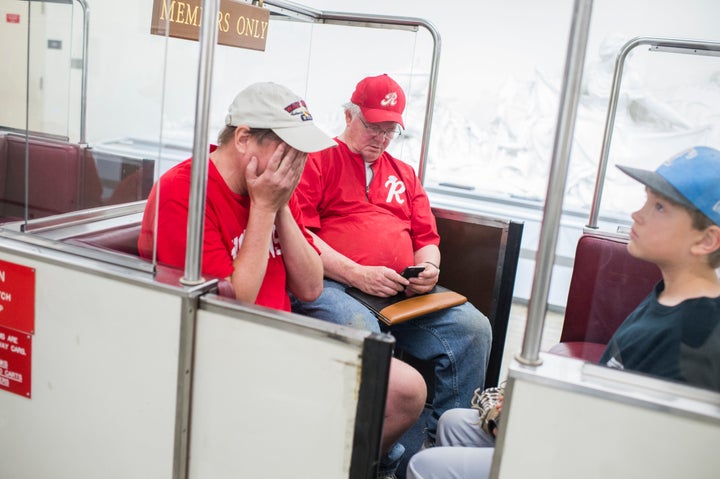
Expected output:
{"points": [[379, 116], [655, 181], [305, 138]]}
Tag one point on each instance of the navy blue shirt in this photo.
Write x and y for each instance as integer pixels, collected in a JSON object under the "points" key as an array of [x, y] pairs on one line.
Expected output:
{"points": [[679, 342]]}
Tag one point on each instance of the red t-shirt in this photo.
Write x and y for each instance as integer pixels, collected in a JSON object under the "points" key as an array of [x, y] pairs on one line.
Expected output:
{"points": [[381, 225], [226, 216]]}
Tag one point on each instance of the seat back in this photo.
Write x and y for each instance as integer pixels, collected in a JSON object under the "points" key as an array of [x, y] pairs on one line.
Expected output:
{"points": [[607, 284], [51, 176], [479, 260], [123, 239]]}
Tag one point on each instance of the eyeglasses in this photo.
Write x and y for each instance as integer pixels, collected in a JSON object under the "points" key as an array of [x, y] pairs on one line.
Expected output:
{"points": [[377, 131]]}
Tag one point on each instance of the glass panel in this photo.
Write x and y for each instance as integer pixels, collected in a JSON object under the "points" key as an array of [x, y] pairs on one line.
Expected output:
{"points": [[297, 56], [40, 170], [668, 103]]}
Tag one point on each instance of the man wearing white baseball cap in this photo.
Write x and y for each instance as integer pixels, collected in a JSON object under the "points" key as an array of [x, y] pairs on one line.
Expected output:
{"points": [[254, 234]]}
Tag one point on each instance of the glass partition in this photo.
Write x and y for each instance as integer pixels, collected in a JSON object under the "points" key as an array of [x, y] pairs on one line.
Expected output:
{"points": [[668, 101], [670, 332], [117, 115]]}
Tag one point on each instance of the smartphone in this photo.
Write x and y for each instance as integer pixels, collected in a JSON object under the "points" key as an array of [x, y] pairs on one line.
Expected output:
{"points": [[412, 271]]}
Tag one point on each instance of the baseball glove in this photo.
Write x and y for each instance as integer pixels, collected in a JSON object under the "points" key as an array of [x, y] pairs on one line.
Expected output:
{"points": [[488, 403]]}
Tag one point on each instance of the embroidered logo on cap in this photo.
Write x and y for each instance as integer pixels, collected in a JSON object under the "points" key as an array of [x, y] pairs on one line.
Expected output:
{"points": [[390, 99], [299, 108]]}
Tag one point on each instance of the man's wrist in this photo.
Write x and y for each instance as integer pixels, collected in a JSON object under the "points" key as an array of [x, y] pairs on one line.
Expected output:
{"points": [[432, 264]]}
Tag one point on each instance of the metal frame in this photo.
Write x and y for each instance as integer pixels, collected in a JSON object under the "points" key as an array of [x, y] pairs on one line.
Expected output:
{"points": [[577, 45], [688, 47], [294, 12]]}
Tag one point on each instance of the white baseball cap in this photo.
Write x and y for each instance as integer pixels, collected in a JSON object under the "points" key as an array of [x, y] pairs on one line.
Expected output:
{"points": [[273, 106]]}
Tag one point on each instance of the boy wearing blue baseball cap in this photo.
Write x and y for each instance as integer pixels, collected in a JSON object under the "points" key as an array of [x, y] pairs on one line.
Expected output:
{"points": [[673, 334]]}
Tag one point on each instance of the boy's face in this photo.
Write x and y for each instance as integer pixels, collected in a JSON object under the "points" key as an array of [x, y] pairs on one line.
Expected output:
{"points": [[662, 232]]}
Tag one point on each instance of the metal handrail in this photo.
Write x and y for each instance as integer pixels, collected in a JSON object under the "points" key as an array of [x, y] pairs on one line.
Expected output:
{"points": [[688, 47], [83, 80], [198, 179], [302, 13], [569, 99]]}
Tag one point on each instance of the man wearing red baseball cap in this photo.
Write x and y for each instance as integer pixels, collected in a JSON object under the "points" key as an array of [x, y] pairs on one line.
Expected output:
{"points": [[371, 217]]}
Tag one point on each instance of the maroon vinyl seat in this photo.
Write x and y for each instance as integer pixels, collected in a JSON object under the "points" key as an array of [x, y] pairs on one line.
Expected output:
{"points": [[44, 177], [607, 284], [124, 239]]}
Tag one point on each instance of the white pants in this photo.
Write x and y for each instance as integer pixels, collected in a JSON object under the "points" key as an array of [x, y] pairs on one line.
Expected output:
{"points": [[463, 451], [461, 427], [451, 463]]}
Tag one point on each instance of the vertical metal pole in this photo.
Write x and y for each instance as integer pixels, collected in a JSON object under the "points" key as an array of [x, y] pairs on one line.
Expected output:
{"points": [[577, 45], [193, 254], [183, 397], [83, 81], [198, 181]]}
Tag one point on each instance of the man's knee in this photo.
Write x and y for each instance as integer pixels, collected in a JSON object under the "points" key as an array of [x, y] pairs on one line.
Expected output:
{"points": [[474, 324], [406, 388], [455, 418]]}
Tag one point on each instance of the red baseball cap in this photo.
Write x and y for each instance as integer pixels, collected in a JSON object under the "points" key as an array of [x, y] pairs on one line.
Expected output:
{"points": [[380, 99]]}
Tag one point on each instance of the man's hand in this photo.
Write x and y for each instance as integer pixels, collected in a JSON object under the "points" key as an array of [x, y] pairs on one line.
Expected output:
{"points": [[384, 282], [378, 280], [424, 282], [271, 189]]}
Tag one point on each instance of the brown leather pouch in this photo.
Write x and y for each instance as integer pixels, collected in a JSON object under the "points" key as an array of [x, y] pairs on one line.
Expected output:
{"points": [[399, 308]]}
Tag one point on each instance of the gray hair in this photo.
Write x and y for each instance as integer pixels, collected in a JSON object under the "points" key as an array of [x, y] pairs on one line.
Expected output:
{"points": [[352, 108]]}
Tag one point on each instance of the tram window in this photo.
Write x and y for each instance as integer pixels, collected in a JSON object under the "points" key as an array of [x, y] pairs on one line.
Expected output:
{"points": [[498, 89], [668, 102]]}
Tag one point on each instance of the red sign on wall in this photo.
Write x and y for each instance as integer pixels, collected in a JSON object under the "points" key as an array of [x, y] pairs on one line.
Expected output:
{"points": [[17, 297], [12, 17], [15, 361]]}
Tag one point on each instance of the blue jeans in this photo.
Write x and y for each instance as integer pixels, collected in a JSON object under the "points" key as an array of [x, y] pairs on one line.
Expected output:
{"points": [[457, 341]]}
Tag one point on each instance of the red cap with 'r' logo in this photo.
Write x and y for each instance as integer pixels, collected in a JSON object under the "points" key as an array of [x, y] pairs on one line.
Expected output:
{"points": [[380, 99]]}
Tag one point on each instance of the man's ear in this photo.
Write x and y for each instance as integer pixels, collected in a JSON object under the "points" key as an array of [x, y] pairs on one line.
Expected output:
{"points": [[241, 137], [348, 117]]}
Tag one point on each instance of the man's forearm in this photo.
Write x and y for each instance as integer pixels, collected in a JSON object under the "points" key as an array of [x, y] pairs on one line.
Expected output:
{"points": [[302, 263], [336, 266], [429, 254]]}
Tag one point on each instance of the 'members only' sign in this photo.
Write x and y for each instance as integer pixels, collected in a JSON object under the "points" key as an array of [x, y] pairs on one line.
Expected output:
{"points": [[239, 24]]}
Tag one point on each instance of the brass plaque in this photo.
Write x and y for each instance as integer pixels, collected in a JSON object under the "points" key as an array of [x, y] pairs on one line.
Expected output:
{"points": [[239, 24]]}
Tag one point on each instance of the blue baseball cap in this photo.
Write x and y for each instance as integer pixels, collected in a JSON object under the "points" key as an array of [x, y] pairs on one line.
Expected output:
{"points": [[690, 178]]}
